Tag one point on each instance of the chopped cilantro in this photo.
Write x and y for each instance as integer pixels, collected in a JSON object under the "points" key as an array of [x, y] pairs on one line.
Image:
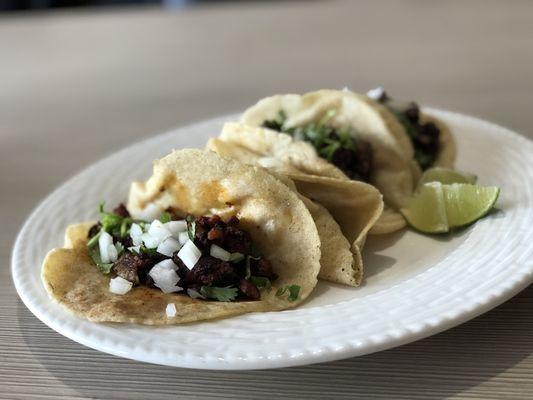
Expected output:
{"points": [[125, 227], [145, 250], [293, 290], [113, 223], [191, 227], [219, 293], [93, 241], [260, 282], [165, 217], [325, 138], [104, 268]]}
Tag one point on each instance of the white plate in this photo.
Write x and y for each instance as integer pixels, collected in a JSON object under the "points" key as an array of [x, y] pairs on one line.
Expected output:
{"points": [[415, 285]]}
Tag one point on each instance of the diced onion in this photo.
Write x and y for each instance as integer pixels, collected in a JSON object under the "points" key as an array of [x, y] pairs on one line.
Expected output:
{"points": [[120, 285], [194, 294], [236, 257], [104, 241], [149, 213], [189, 254], [135, 233], [150, 241], [112, 253], [165, 276], [219, 252], [376, 93], [171, 310], [168, 246], [159, 231], [175, 227], [183, 237]]}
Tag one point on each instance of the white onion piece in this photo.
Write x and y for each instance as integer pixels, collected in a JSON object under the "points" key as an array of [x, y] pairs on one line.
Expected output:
{"points": [[175, 227], [165, 276], [135, 233], [149, 213], [150, 241], [236, 257], [104, 241], [120, 285], [112, 253], [168, 246], [189, 254], [376, 93], [171, 310], [183, 237], [158, 230], [194, 294], [219, 252]]}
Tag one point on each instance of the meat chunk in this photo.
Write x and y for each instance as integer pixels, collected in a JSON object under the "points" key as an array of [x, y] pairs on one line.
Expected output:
{"points": [[94, 230], [262, 268], [133, 267], [249, 290], [356, 164], [121, 210], [210, 271]]}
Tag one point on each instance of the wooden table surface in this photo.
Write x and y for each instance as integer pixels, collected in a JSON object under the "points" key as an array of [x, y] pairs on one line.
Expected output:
{"points": [[77, 85]]}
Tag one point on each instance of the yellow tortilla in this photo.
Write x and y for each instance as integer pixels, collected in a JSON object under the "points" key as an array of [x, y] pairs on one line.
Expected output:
{"points": [[353, 208], [200, 183]]}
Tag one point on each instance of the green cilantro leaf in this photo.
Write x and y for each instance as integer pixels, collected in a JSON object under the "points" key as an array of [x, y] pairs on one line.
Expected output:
{"points": [[191, 226], [94, 240], [260, 282], [145, 250], [104, 268], [325, 138], [293, 290], [113, 223], [219, 293], [165, 217]]}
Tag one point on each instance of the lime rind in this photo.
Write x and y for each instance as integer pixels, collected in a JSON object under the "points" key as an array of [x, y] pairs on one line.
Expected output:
{"points": [[446, 176]]}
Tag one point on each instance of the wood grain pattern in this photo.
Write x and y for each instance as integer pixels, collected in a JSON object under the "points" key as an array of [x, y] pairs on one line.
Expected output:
{"points": [[75, 86]]}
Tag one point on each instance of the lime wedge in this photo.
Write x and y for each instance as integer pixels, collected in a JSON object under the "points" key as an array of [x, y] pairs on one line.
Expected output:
{"points": [[467, 203], [435, 208], [446, 176], [427, 211]]}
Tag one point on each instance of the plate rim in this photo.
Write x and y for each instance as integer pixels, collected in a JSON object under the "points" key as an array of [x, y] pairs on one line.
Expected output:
{"points": [[491, 298]]}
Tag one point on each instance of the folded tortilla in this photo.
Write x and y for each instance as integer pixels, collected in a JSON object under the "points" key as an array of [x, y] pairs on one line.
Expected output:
{"points": [[392, 171], [200, 183], [344, 210]]}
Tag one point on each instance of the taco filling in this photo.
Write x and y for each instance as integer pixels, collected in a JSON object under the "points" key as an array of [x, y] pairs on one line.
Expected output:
{"points": [[202, 257], [337, 145], [425, 136]]}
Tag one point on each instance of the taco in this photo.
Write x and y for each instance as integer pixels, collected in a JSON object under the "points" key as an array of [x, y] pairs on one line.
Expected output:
{"points": [[341, 243], [203, 238], [344, 210], [338, 134], [430, 142]]}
